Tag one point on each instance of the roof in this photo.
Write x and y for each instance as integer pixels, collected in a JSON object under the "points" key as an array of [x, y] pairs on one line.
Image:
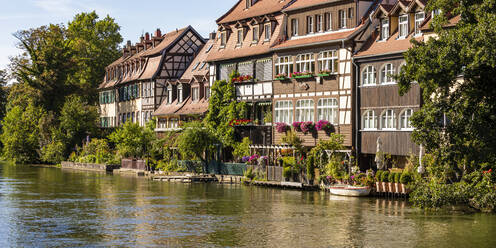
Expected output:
{"points": [[168, 39], [231, 50], [300, 4], [152, 65], [194, 107], [374, 46], [260, 8], [195, 68], [317, 39], [453, 21], [168, 109]]}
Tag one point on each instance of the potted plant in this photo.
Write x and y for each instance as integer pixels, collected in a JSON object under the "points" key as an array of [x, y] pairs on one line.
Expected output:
{"points": [[325, 126], [385, 180], [297, 126], [391, 185], [324, 73], [397, 184], [281, 76], [305, 74], [307, 127], [282, 127], [405, 179], [242, 78], [378, 181]]}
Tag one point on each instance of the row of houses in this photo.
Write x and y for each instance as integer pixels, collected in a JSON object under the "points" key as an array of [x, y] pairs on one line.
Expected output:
{"points": [[304, 61]]}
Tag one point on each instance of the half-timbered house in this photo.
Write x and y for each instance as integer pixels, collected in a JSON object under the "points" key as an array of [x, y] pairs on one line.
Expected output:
{"points": [[135, 84], [384, 116], [243, 40], [187, 98], [313, 67]]}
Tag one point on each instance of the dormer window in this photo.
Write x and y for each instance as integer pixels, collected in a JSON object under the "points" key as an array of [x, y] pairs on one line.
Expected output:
{"points": [[268, 31], [342, 19], [240, 37], [419, 19], [294, 27], [249, 3], [223, 39], [195, 93], [180, 93], [309, 24], [327, 21], [403, 26], [169, 94], [255, 34], [384, 29]]}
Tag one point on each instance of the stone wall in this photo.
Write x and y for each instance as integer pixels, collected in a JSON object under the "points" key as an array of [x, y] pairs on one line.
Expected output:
{"points": [[89, 166]]}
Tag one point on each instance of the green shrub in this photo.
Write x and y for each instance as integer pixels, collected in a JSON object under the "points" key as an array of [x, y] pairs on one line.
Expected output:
{"points": [[406, 178], [242, 149], [397, 177], [391, 177], [385, 176], [288, 161], [378, 175], [249, 174], [287, 172]]}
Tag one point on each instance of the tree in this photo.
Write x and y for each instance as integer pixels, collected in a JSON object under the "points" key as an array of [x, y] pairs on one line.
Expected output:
{"points": [[95, 44], [131, 140], [456, 71], [222, 109], [197, 141], [3, 93], [20, 134]]}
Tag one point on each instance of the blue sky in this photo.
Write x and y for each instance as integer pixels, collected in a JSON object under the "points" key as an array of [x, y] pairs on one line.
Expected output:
{"points": [[134, 17]]}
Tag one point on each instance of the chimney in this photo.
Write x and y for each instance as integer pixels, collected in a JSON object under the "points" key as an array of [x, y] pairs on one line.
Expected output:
{"points": [[142, 38], [147, 36], [158, 33], [128, 44], [212, 35]]}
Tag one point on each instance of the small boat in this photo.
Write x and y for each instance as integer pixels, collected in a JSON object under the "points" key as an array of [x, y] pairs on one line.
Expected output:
{"points": [[348, 190]]}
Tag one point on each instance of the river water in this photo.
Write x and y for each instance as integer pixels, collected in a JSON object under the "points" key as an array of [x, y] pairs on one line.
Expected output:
{"points": [[50, 207]]}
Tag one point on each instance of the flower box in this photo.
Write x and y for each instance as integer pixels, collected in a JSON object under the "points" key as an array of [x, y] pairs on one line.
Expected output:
{"points": [[243, 79], [302, 76], [323, 74], [297, 75], [281, 78]]}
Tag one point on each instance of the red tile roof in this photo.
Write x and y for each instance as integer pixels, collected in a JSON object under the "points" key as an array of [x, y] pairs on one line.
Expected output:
{"points": [[168, 109], [260, 8], [317, 39], [300, 4], [194, 107], [375, 46], [195, 68], [168, 39]]}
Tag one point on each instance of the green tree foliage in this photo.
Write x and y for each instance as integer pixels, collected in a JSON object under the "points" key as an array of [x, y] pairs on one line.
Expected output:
{"points": [[198, 142], [131, 140], [222, 109], [3, 93], [242, 149], [20, 136]]}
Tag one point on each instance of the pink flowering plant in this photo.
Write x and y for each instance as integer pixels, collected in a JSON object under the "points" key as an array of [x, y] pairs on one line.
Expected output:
{"points": [[297, 126], [282, 127], [299, 74], [253, 159], [325, 126], [307, 127]]}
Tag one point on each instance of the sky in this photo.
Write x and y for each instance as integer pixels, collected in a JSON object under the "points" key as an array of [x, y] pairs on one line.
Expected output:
{"points": [[134, 17]]}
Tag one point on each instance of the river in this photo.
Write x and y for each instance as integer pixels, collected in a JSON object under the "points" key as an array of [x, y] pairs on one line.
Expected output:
{"points": [[50, 207]]}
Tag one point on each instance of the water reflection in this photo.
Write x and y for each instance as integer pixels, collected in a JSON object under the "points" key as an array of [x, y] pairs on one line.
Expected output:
{"points": [[51, 207]]}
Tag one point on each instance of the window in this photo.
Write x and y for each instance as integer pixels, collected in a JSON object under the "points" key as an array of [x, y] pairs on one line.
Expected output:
{"points": [[419, 18], [255, 34], [248, 3], [202, 66], [318, 23], [305, 63], [195, 93], [368, 76], [327, 109], [196, 66], [209, 48], [342, 18], [384, 29], [388, 120], [180, 93], [223, 39], [169, 94], [327, 22], [207, 92], [403, 23], [387, 73], [309, 24], [173, 123], [294, 27], [328, 61], [305, 110], [369, 120], [240, 37], [350, 13], [284, 65], [284, 112], [405, 116], [268, 31]]}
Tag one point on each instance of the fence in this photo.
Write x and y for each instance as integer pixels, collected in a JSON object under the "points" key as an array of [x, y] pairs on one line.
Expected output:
{"points": [[133, 164]]}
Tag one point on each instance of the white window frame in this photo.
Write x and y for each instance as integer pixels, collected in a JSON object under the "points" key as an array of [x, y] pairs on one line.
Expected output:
{"points": [[384, 29], [387, 73], [294, 27], [305, 62], [328, 60], [388, 120], [327, 109], [327, 21], [268, 31], [369, 120], [195, 93], [283, 111], [240, 37], [405, 122], [180, 93], [369, 77], [419, 19], [403, 26], [223, 38], [310, 25], [319, 27], [256, 34], [342, 19], [169, 94], [305, 110], [284, 65]]}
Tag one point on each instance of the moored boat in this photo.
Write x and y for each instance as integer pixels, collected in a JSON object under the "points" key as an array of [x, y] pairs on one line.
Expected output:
{"points": [[348, 190]]}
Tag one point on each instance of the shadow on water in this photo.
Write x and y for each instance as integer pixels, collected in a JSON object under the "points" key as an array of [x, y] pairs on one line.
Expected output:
{"points": [[53, 207]]}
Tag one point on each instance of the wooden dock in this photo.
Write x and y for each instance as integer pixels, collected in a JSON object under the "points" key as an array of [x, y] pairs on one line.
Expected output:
{"points": [[286, 185]]}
